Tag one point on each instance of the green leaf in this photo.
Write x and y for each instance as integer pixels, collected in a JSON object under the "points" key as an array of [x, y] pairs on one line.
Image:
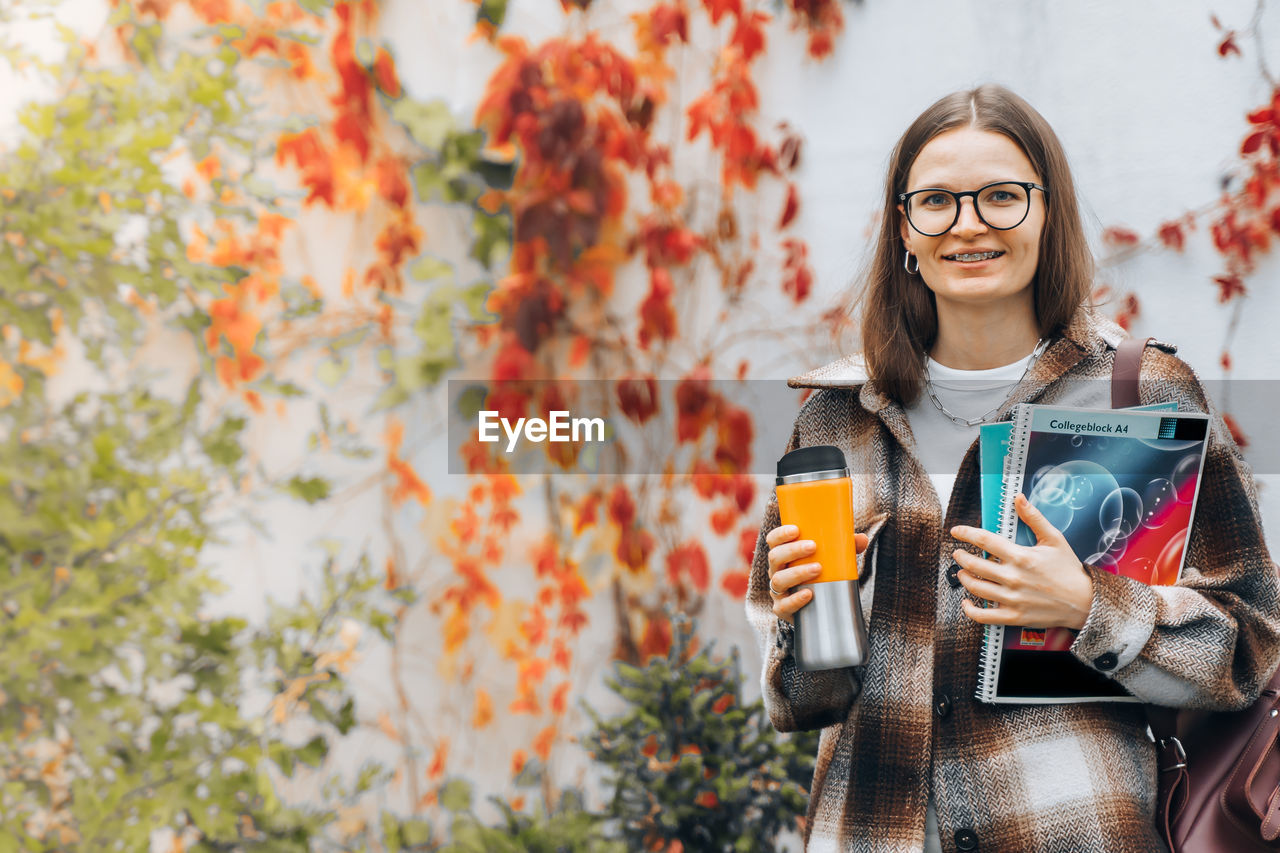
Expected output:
{"points": [[332, 371], [493, 11], [456, 795], [428, 124], [310, 489], [429, 268], [314, 751]]}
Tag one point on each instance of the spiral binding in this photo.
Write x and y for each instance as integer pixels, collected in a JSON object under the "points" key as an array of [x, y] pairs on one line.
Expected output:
{"points": [[1015, 465]]}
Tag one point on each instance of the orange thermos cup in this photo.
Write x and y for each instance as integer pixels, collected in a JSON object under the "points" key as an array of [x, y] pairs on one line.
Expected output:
{"points": [[816, 495]]}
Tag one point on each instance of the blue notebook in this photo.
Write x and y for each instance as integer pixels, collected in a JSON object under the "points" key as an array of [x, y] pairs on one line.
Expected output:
{"points": [[1121, 485]]}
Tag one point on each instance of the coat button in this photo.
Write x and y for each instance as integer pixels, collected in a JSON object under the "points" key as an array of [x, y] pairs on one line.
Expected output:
{"points": [[942, 705], [953, 575], [966, 839], [1106, 660]]}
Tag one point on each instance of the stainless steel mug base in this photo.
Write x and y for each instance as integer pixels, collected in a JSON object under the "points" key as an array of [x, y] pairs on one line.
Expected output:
{"points": [[830, 630]]}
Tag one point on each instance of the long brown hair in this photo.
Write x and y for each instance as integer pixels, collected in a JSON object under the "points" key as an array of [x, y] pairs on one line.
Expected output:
{"points": [[899, 314]]}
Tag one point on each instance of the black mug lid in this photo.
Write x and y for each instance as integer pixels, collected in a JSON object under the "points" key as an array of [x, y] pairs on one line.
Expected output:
{"points": [[805, 460]]}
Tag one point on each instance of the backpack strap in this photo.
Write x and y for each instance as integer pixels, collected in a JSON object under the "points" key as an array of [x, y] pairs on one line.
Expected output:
{"points": [[1124, 374]]}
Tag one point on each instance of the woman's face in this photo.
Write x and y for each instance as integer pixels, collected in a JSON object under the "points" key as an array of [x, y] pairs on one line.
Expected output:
{"points": [[966, 159]]}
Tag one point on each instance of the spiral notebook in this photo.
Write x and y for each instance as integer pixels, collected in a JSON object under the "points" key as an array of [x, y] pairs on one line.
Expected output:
{"points": [[1121, 485]]}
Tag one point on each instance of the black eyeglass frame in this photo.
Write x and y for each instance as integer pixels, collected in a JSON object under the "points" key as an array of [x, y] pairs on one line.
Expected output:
{"points": [[973, 194]]}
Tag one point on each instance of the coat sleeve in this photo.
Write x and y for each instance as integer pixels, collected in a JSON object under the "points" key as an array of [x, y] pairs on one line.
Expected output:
{"points": [[1212, 640], [795, 700]]}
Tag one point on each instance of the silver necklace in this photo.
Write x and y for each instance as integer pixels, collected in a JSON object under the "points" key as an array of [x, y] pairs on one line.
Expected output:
{"points": [[981, 419]]}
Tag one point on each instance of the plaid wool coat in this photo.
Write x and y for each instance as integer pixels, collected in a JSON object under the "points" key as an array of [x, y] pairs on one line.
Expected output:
{"points": [[905, 727]]}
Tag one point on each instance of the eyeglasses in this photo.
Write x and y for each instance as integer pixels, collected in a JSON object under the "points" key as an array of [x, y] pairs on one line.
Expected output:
{"points": [[1002, 205]]}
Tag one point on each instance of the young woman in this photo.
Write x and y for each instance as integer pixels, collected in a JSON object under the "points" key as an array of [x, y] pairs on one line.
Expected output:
{"points": [[976, 300]]}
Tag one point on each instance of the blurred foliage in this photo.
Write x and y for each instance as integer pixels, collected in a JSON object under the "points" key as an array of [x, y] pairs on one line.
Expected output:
{"points": [[125, 704], [689, 762]]}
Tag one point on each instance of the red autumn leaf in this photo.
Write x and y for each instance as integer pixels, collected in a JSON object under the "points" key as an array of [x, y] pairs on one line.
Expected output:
{"points": [[438, 761], [1263, 116], [586, 512], [650, 748], [1225, 360], [634, 547], [735, 584], [1228, 45], [1253, 142], [722, 704], [352, 128], [798, 281], [558, 698], [1229, 287], [748, 35], [1171, 236], [657, 314], [689, 560], [392, 184], [384, 71], [1275, 220], [1119, 236], [695, 404], [744, 492], [707, 799], [543, 742], [622, 507], [314, 163], [561, 657], [656, 639], [723, 520], [668, 23], [789, 152], [707, 482], [1129, 309], [1237, 434], [513, 362], [717, 9], [747, 539], [638, 398], [734, 434], [791, 208]]}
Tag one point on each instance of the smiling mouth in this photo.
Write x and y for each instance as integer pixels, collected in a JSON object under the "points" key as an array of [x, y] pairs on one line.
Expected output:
{"points": [[972, 258]]}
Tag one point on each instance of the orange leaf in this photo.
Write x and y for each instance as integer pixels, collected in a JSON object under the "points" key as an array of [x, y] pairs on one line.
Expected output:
{"points": [[518, 760], [543, 742], [689, 560], [735, 583], [384, 71], [791, 208], [436, 770], [657, 638], [559, 698], [622, 508], [579, 350], [484, 710]]}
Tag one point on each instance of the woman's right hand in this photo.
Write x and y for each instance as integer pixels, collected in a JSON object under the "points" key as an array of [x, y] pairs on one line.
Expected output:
{"points": [[785, 547]]}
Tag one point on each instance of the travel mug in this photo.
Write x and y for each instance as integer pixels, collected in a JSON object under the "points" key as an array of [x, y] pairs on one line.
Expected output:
{"points": [[816, 495]]}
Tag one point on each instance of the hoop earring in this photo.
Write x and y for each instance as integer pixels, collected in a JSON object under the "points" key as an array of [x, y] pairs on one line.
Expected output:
{"points": [[906, 259]]}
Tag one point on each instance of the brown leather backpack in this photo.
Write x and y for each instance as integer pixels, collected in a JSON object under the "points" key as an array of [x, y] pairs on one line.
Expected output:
{"points": [[1219, 785]]}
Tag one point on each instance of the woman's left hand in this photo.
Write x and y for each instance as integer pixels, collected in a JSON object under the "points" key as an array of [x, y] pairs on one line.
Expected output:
{"points": [[1040, 586]]}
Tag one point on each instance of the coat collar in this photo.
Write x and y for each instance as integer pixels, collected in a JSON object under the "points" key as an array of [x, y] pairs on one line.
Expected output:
{"points": [[1088, 335]]}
